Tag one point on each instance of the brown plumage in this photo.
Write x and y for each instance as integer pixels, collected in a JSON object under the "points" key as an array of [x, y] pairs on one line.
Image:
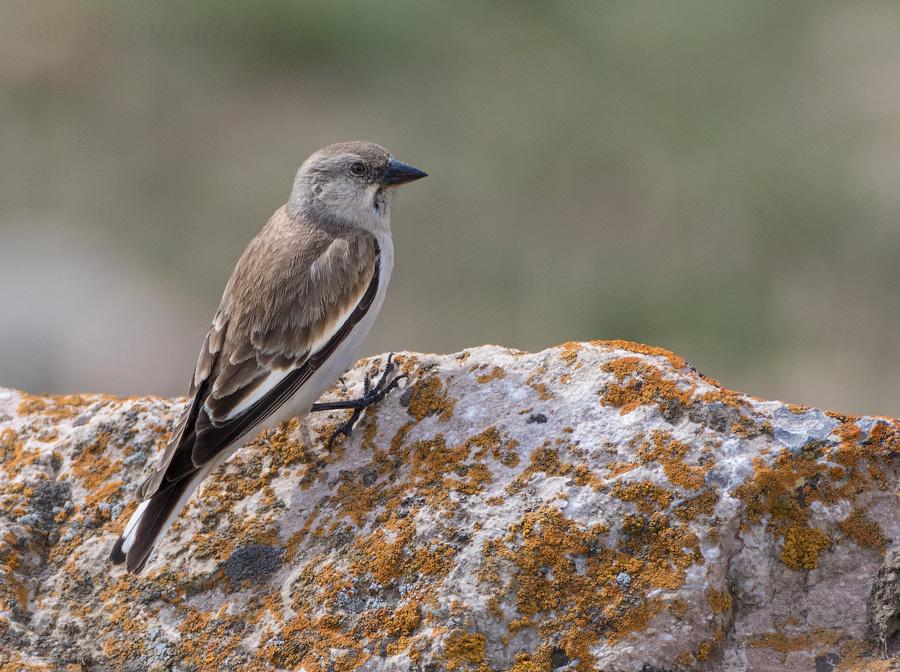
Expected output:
{"points": [[294, 312]]}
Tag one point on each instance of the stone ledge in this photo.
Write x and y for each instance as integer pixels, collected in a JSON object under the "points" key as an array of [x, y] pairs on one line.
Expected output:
{"points": [[596, 506]]}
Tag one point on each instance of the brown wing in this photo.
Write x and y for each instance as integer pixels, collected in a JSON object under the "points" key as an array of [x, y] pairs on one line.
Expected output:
{"points": [[294, 296]]}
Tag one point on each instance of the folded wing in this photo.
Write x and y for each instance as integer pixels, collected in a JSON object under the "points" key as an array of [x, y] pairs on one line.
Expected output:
{"points": [[275, 327]]}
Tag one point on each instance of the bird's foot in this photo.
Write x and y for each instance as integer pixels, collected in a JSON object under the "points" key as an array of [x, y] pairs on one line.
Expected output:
{"points": [[371, 396]]}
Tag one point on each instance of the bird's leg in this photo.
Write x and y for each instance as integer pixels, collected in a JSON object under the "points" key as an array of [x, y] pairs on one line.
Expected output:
{"points": [[371, 395]]}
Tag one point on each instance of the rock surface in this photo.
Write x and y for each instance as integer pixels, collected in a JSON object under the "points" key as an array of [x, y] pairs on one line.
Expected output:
{"points": [[596, 506]]}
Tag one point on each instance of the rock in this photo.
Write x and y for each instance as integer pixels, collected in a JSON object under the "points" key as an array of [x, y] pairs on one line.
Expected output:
{"points": [[596, 506]]}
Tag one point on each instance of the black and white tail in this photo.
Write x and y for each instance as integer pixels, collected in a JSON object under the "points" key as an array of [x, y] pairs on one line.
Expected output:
{"points": [[150, 522]]}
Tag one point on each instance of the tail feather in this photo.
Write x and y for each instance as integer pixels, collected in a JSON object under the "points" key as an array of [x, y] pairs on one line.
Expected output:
{"points": [[123, 544], [151, 521]]}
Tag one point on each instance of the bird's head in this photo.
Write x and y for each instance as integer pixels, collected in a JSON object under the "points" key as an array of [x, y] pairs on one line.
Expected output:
{"points": [[351, 182]]}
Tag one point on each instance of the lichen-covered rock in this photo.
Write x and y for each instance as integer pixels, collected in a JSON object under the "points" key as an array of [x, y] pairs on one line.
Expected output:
{"points": [[597, 506]]}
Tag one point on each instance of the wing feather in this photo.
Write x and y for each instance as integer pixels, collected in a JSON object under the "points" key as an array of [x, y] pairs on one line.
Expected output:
{"points": [[294, 296], [213, 437]]}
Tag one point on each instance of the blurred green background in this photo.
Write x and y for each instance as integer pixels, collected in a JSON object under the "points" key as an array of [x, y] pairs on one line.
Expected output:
{"points": [[721, 179]]}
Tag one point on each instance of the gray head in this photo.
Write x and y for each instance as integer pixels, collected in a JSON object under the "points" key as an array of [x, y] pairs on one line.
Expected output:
{"points": [[351, 182]]}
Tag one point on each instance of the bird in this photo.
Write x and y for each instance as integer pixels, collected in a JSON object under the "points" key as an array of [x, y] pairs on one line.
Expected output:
{"points": [[294, 313]]}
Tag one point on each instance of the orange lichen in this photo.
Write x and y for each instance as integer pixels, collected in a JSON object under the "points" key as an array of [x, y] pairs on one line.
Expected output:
{"points": [[485, 441], [817, 639], [429, 398], [802, 546], [570, 352], [93, 465], [13, 453], [670, 454], [104, 494], [866, 533], [883, 434], [684, 659], [16, 664], [635, 620], [785, 485], [674, 360], [645, 386], [493, 607], [58, 408], [749, 429], [461, 648], [311, 643], [539, 661], [543, 459], [540, 387], [703, 651], [861, 655], [552, 593], [404, 620], [648, 496], [719, 601], [496, 373], [616, 468], [678, 608]]}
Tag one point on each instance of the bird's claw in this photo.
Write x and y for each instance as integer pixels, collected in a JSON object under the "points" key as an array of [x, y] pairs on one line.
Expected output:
{"points": [[371, 396]]}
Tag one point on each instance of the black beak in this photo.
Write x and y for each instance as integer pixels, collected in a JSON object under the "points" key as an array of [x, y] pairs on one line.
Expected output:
{"points": [[398, 173]]}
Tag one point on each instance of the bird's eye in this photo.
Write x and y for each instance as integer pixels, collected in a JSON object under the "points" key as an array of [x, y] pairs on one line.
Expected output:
{"points": [[358, 169]]}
